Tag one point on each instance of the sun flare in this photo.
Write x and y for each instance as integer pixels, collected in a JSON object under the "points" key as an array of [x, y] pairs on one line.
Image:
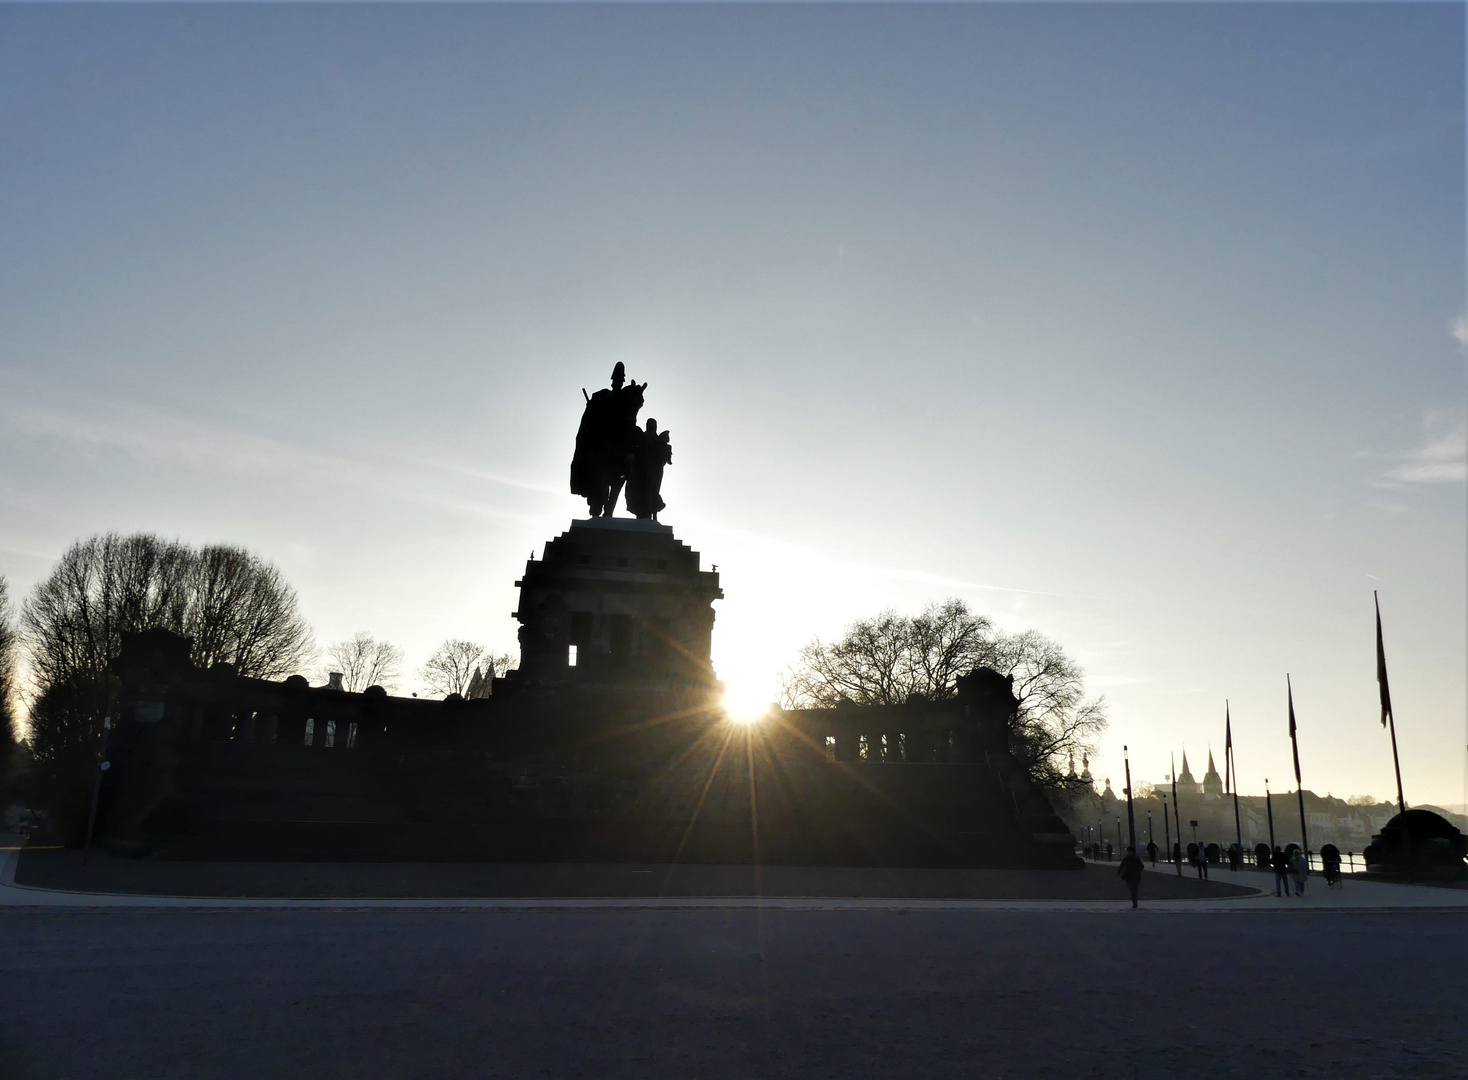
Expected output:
{"points": [[745, 704]]}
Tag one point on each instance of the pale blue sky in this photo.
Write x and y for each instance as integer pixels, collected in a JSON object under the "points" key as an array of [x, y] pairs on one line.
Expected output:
{"points": [[1134, 324]]}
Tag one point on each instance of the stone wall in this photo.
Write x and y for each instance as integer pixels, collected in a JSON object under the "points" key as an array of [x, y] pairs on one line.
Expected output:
{"points": [[210, 765]]}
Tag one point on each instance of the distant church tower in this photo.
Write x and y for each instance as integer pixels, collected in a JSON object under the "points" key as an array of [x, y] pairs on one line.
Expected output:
{"points": [[1212, 782], [1186, 785]]}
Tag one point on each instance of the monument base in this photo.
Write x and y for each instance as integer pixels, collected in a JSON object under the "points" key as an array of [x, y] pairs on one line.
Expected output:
{"points": [[615, 604]]}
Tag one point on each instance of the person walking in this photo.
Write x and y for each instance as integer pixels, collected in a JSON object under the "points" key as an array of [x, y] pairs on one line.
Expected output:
{"points": [[1130, 871], [1152, 853], [1200, 862], [1299, 870], [1281, 867]]}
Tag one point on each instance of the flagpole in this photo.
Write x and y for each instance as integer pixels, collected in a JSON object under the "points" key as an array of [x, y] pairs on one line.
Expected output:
{"points": [[1131, 824], [1269, 809], [1388, 717], [1299, 788], [1231, 772], [1178, 862]]}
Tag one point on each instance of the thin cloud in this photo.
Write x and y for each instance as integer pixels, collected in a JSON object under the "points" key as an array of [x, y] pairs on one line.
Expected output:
{"points": [[885, 572], [1439, 459], [86, 423], [1460, 330]]}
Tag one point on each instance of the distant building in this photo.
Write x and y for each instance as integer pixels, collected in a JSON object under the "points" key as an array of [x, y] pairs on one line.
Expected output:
{"points": [[1186, 785], [1212, 782]]}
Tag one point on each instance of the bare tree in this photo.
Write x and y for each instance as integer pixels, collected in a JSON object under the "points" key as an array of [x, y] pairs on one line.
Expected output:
{"points": [[889, 659], [100, 589], [8, 740], [946, 642], [463, 667], [452, 667], [1054, 718], [234, 606], [241, 612], [63, 740], [364, 661]]}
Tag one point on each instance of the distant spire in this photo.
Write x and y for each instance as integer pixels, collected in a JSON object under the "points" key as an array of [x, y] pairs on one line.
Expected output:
{"points": [[1212, 782]]}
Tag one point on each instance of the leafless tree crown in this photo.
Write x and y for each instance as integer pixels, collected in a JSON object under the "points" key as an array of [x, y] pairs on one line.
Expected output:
{"points": [[235, 607], [890, 658], [365, 661], [887, 659], [463, 667], [241, 612]]}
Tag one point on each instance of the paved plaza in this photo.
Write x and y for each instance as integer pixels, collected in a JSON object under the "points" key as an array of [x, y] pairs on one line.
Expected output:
{"points": [[1367, 983]]}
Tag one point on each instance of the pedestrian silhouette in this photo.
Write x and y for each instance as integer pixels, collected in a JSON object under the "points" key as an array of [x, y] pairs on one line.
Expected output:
{"points": [[1330, 863], [1299, 870], [1279, 862], [1130, 871], [1199, 858]]}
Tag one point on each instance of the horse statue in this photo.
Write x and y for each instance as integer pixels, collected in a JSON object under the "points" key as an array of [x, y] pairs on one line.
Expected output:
{"points": [[608, 444]]}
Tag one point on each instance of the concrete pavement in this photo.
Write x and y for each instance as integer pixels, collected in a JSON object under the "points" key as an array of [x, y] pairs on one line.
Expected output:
{"points": [[1357, 895], [730, 993]]}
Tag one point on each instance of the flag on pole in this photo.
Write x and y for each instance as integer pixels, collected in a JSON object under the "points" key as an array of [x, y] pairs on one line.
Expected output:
{"points": [[1294, 745], [1386, 693], [1228, 748]]}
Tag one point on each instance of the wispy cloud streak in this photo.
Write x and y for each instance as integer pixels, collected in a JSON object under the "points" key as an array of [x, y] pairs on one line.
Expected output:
{"points": [[33, 410], [1441, 458]]}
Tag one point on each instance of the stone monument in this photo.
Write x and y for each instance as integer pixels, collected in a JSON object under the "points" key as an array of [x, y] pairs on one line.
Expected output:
{"points": [[609, 742], [1420, 844], [617, 603]]}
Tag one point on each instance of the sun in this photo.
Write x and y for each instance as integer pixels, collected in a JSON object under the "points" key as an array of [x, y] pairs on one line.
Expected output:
{"points": [[745, 704]]}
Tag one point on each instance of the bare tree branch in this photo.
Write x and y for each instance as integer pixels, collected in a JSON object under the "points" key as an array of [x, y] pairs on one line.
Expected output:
{"points": [[890, 659], [364, 661], [451, 667], [8, 739]]}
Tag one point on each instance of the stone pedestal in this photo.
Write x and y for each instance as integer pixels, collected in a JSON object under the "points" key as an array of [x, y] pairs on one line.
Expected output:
{"points": [[616, 603], [1418, 844]]}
